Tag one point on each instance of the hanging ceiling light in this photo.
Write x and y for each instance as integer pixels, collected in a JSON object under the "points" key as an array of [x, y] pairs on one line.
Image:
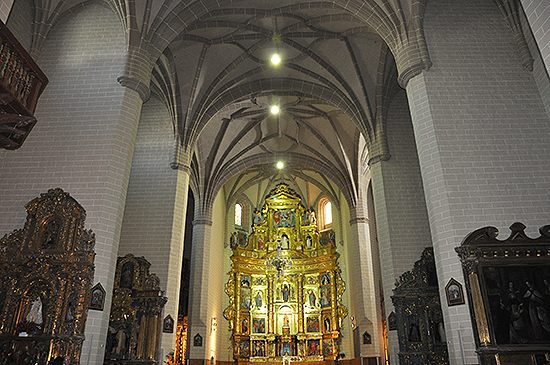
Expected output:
{"points": [[279, 262], [275, 59]]}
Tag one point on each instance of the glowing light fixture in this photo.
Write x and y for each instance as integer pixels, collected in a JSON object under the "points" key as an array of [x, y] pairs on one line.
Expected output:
{"points": [[275, 59], [280, 165], [279, 262], [275, 109]]}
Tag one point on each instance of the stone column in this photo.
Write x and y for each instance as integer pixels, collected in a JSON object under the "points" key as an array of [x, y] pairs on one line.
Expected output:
{"points": [[480, 125], [400, 209], [364, 304], [199, 287]]}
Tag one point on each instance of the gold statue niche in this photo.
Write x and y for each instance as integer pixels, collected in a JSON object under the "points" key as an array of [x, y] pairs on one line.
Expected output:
{"points": [[285, 289]]}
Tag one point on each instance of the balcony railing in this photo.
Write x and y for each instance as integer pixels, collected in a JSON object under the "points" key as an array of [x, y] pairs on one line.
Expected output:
{"points": [[21, 83]]}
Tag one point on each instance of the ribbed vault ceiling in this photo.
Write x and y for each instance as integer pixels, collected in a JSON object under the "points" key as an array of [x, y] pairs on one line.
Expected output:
{"points": [[334, 83], [210, 61]]}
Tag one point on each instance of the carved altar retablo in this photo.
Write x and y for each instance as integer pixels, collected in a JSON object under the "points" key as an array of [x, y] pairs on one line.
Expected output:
{"points": [[419, 319], [47, 270], [285, 287], [508, 286], [135, 323]]}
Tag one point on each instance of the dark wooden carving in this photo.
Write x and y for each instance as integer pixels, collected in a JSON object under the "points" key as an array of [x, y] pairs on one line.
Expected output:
{"points": [[508, 287], [47, 265], [418, 315], [135, 322], [21, 83]]}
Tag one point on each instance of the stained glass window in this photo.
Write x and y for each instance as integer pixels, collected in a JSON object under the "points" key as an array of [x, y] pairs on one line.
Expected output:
{"points": [[238, 214]]}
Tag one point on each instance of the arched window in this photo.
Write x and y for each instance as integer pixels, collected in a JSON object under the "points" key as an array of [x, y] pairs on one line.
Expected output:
{"points": [[325, 213], [328, 213], [238, 214]]}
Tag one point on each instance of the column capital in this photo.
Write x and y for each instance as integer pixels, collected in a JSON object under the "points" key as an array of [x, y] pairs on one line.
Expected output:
{"points": [[180, 166], [378, 158], [137, 72], [204, 221], [357, 220], [411, 55], [136, 85]]}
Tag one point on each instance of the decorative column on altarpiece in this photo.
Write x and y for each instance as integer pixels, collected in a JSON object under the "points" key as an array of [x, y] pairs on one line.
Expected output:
{"points": [[238, 316], [300, 302], [333, 298], [271, 309]]}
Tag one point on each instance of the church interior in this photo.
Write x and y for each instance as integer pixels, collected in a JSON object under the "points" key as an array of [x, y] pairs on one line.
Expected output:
{"points": [[209, 182]]}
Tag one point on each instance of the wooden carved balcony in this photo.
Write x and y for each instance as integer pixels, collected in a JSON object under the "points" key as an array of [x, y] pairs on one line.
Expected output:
{"points": [[21, 83]]}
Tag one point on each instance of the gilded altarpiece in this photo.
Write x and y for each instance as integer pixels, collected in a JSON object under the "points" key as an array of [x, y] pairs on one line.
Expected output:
{"points": [[135, 322], [295, 311], [419, 319], [47, 270]]}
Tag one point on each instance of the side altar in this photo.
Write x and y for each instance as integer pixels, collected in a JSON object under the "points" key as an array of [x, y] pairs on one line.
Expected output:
{"points": [[285, 286]]}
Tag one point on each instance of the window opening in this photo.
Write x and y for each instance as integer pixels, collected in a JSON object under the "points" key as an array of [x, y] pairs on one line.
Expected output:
{"points": [[238, 214], [328, 213]]}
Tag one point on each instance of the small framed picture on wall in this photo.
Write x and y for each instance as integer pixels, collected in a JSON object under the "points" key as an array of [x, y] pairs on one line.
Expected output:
{"points": [[454, 292]]}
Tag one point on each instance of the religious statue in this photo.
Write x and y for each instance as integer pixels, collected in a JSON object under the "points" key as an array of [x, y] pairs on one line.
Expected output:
{"points": [[312, 219], [51, 234], [71, 307], [286, 293], [284, 242], [35, 314], [308, 242], [121, 341], [126, 278], [312, 298], [327, 324], [286, 321], [258, 300]]}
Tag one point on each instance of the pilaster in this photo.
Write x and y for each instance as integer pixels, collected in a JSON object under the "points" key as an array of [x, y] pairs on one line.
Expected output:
{"points": [[365, 307], [201, 298]]}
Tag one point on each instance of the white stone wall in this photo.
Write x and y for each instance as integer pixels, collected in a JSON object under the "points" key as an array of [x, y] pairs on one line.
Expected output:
{"points": [[481, 131], [82, 143], [20, 21]]}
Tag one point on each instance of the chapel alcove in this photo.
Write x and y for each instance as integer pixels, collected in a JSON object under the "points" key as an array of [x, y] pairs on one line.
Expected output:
{"points": [[47, 270]]}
